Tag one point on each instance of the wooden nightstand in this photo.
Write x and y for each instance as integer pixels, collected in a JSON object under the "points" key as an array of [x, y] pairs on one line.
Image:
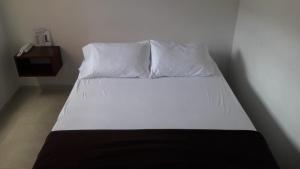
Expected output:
{"points": [[39, 61]]}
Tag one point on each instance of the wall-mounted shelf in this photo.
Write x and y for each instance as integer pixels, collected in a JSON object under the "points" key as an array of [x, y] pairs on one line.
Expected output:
{"points": [[39, 61]]}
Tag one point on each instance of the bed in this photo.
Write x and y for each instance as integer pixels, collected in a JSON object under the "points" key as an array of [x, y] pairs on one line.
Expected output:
{"points": [[171, 122]]}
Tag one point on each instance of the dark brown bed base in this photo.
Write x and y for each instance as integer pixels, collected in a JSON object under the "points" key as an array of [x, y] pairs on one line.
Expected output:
{"points": [[151, 149]]}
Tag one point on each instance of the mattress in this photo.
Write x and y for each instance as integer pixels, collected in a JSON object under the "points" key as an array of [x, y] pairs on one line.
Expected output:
{"points": [[164, 103], [154, 123]]}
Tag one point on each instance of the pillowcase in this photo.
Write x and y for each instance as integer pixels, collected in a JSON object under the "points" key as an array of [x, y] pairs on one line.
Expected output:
{"points": [[170, 59], [116, 60]]}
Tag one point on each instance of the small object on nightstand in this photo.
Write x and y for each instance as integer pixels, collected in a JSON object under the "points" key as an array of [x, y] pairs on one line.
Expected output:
{"points": [[43, 37], [24, 49], [39, 61]]}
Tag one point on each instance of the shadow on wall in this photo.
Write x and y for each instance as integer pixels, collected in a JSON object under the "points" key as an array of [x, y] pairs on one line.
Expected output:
{"points": [[222, 60], [8, 75], [284, 150]]}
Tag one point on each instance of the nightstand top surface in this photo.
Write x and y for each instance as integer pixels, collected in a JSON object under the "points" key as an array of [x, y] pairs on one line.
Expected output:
{"points": [[41, 51]]}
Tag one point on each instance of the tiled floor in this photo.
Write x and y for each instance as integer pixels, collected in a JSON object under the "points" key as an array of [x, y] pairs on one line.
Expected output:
{"points": [[25, 123]]}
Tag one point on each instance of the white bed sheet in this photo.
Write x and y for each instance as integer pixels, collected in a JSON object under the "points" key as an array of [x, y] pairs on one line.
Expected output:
{"points": [[165, 103]]}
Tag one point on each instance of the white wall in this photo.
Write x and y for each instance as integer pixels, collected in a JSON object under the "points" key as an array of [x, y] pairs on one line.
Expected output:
{"points": [[75, 23], [8, 76], [266, 72]]}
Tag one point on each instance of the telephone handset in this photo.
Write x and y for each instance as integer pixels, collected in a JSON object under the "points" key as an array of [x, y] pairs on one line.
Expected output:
{"points": [[24, 49]]}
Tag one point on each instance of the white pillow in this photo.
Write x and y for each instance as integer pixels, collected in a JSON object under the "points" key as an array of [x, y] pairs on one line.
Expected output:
{"points": [[170, 59], [116, 60]]}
